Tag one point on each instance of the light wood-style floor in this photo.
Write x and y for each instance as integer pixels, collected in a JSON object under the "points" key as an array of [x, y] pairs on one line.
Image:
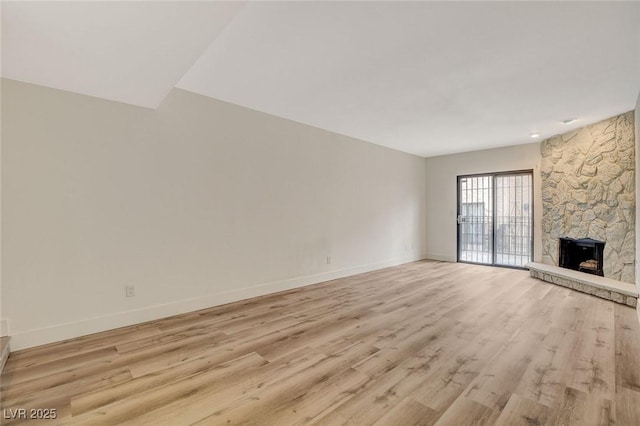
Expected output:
{"points": [[424, 343]]}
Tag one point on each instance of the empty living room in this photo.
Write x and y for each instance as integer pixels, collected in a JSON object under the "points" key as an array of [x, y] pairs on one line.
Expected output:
{"points": [[319, 212]]}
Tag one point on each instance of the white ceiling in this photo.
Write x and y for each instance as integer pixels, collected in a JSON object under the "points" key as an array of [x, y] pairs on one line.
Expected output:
{"points": [[133, 52], [428, 78]]}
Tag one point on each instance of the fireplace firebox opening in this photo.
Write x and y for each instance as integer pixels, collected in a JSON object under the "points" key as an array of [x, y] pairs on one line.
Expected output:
{"points": [[583, 254]]}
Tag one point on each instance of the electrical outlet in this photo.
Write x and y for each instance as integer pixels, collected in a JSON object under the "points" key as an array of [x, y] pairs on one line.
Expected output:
{"points": [[129, 290], [328, 260]]}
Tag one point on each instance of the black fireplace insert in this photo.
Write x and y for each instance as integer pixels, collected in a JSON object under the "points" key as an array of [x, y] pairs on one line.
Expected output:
{"points": [[583, 254]]}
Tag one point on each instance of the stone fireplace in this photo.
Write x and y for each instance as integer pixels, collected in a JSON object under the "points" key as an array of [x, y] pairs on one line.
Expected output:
{"points": [[588, 190]]}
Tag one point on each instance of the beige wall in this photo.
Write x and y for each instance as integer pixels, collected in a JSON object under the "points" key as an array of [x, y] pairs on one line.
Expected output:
{"points": [[441, 191], [3, 322], [196, 204]]}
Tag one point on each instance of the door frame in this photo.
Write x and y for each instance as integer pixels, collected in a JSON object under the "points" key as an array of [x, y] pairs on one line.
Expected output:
{"points": [[493, 221]]}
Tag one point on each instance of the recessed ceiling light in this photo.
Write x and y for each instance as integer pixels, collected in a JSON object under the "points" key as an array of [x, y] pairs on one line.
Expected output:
{"points": [[569, 120], [535, 135]]}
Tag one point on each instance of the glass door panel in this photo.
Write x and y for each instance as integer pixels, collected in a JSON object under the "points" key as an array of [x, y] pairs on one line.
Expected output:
{"points": [[513, 220], [475, 219]]}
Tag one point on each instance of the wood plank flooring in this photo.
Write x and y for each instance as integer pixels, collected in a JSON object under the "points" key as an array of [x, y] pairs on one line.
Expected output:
{"points": [[4, 351], [427, 343]]}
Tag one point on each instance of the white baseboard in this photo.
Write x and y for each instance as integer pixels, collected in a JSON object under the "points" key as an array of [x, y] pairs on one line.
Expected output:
{"points": [[58, 332], [441, 257], [4, 330]]}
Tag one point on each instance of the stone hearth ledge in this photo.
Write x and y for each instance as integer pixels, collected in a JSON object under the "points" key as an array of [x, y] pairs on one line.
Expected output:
{"points": [[605, 288]]}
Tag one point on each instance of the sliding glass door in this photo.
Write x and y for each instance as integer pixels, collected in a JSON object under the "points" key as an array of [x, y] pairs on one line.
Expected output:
{"points": [[495, 218]]}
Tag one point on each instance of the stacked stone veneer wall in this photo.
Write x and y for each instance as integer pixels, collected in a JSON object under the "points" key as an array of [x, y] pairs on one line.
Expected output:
{"points": [[588, 190]]}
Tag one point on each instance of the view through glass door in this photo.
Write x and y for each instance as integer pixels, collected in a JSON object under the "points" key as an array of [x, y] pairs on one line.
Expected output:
{"points": [[495, 218]]}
